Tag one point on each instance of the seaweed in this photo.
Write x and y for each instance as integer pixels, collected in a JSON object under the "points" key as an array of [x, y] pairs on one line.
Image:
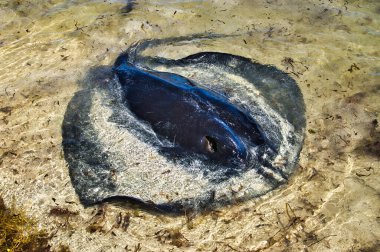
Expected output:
{"points": [[20, 233], [173, 237]]}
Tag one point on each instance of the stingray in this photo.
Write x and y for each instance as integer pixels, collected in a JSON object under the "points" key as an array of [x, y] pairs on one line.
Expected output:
{"points": [[185, 134]]}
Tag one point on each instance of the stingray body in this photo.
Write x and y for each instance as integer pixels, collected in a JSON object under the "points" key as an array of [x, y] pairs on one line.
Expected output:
{"points": [[194, 120], [178, 134]]}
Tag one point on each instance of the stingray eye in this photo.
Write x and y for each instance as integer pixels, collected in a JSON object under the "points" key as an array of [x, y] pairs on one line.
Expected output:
{"points": [[211, 144]]}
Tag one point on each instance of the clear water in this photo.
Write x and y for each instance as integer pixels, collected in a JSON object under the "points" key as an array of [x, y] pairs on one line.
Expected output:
{"points": [[331, 48]]}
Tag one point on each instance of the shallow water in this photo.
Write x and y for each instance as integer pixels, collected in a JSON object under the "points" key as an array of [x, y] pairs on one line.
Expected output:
{"points": [[329, 47]]}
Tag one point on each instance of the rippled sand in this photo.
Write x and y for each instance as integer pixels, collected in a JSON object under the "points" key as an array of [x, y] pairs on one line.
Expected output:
{"points": [[331, 48]]}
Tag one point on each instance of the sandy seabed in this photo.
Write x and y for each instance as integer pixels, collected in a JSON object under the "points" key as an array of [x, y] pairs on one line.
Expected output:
{"points": [[331, 48]]}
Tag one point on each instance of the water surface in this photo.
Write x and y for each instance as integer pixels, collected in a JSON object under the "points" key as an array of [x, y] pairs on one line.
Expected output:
{"points": [[329, 47]]}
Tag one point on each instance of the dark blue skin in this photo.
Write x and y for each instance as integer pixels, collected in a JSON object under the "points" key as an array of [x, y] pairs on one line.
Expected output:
{"points": [[194, 119]]}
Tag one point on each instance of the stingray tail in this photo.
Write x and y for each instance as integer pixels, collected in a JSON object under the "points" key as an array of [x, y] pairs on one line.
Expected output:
{"points": [[133, 53]]}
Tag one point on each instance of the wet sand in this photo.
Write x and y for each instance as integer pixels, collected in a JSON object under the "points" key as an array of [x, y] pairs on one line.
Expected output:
{"points": [[329, 47]]}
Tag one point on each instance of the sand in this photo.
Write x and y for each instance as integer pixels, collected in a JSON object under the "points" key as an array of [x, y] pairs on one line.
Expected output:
{"points": [[330, 48]]}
